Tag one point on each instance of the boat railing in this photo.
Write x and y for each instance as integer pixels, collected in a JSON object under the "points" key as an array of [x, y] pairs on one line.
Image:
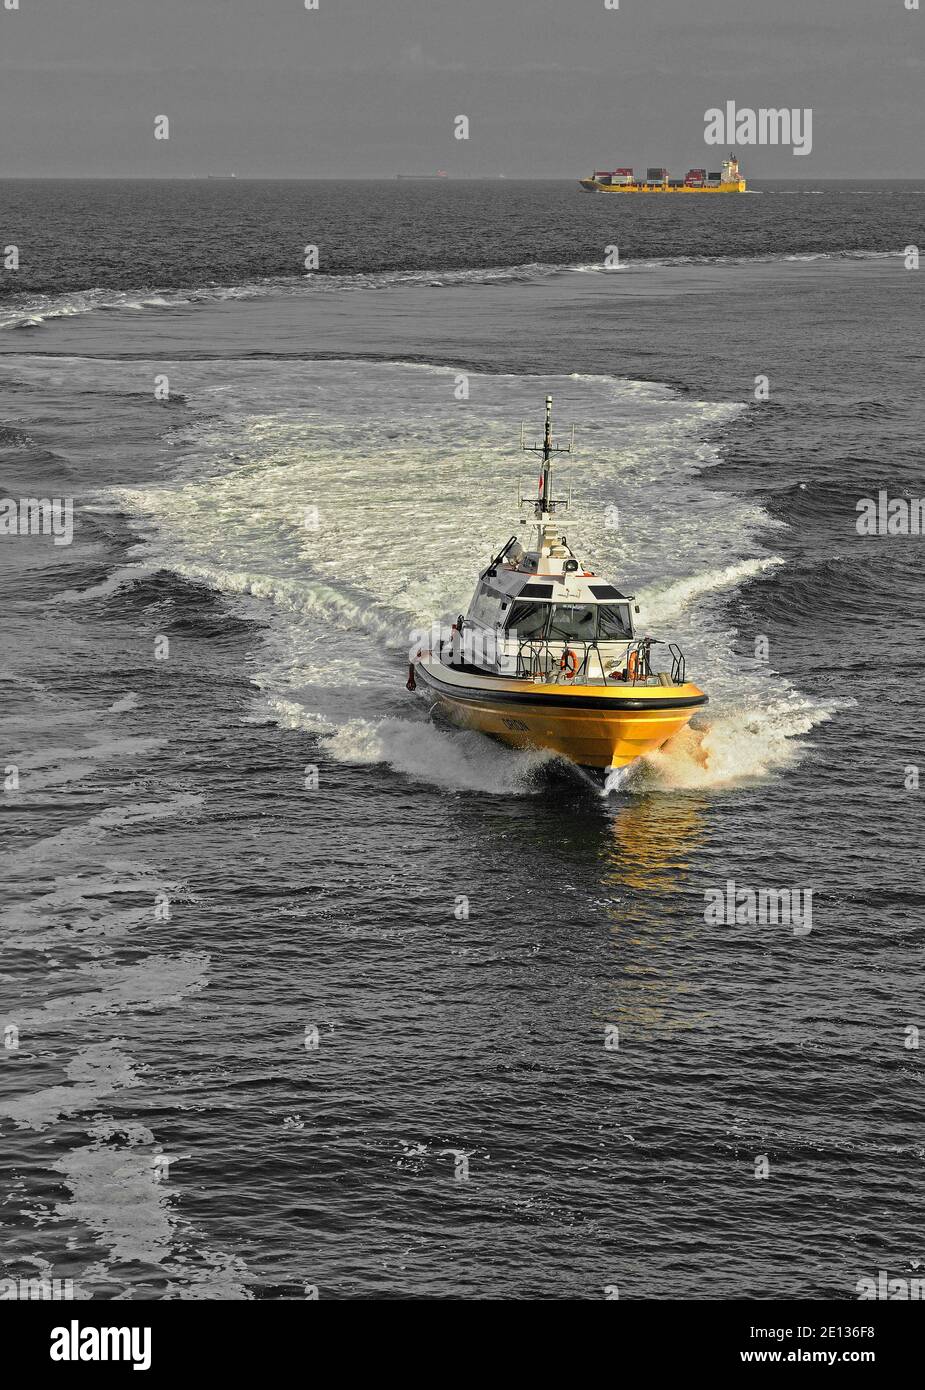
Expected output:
{"points": [[575, 661], [678, 664], [539, 658]]}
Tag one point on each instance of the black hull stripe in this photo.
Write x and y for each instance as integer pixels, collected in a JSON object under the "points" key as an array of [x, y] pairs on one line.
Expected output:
{"points": [[512, 697]]}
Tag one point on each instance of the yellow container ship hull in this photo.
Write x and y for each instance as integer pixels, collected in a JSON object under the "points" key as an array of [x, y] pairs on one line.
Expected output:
{"points": [[595, 186], [728, 179]]}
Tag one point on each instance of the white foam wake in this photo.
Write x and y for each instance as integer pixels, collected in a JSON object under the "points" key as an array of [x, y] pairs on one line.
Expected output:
{"points": [[456, 760], [32, 311], [661, 605], [326, 505], [742, 744]]}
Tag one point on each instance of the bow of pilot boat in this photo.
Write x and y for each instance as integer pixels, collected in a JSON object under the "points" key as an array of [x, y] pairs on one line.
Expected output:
{"points": [[594, 725]]}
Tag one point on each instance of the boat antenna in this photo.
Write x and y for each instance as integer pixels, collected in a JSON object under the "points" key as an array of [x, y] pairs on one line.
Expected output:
{"points": [[547, 450], [544, 501]]}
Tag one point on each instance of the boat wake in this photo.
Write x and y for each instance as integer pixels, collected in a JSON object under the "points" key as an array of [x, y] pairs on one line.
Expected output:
{"points": [[458, 761], [31, 311], [725, 750], [615, 780], [665, 603], [744, 744], [344, 552]]}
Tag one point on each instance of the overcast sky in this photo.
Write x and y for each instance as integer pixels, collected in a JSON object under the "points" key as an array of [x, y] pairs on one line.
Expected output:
{"points": [[366, 88]]}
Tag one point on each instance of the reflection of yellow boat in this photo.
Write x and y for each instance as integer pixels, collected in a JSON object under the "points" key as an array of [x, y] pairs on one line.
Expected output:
{"points": [[548, 657], [644, 866], [653, 840]]}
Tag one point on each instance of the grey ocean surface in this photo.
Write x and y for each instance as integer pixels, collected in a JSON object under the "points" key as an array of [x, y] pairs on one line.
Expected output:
{"points": [[183, 907]]}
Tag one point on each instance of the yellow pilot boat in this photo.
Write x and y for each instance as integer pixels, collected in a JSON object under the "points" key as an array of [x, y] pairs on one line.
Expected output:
{"points": [[548, 655]]}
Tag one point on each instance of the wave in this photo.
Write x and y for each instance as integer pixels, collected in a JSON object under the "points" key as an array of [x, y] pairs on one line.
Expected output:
{"points": [[840, 584], [746, 743], [32, 312], [667, 602], [424, 752], [119, 578]]}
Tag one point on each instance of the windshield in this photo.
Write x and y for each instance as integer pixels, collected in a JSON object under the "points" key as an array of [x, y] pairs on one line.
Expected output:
{"points": [[614, 622], [527, 619], [572, 620]]}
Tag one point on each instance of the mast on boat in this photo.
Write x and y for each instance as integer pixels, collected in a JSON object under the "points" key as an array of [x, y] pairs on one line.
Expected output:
{"points": [[544, 504]]}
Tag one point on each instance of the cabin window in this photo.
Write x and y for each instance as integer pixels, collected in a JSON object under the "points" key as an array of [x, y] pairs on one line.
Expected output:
{"points": [[614, 622], [484, 607], [527, 619], [572, 621]]}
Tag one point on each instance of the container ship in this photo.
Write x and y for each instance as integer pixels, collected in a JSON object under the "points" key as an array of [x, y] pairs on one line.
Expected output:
{"points": [[726, 180]]}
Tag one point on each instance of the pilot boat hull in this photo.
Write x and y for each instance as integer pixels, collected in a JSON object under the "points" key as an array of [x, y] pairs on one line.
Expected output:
{"points": [[594, 726]]}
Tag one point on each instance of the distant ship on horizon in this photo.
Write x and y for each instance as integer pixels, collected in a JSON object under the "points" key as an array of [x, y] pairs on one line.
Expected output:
{"points": [[727, 180], [440, 174]]}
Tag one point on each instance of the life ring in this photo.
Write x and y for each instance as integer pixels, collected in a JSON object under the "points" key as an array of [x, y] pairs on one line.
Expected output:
{"points": [[632, 666], [568, 663]]}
